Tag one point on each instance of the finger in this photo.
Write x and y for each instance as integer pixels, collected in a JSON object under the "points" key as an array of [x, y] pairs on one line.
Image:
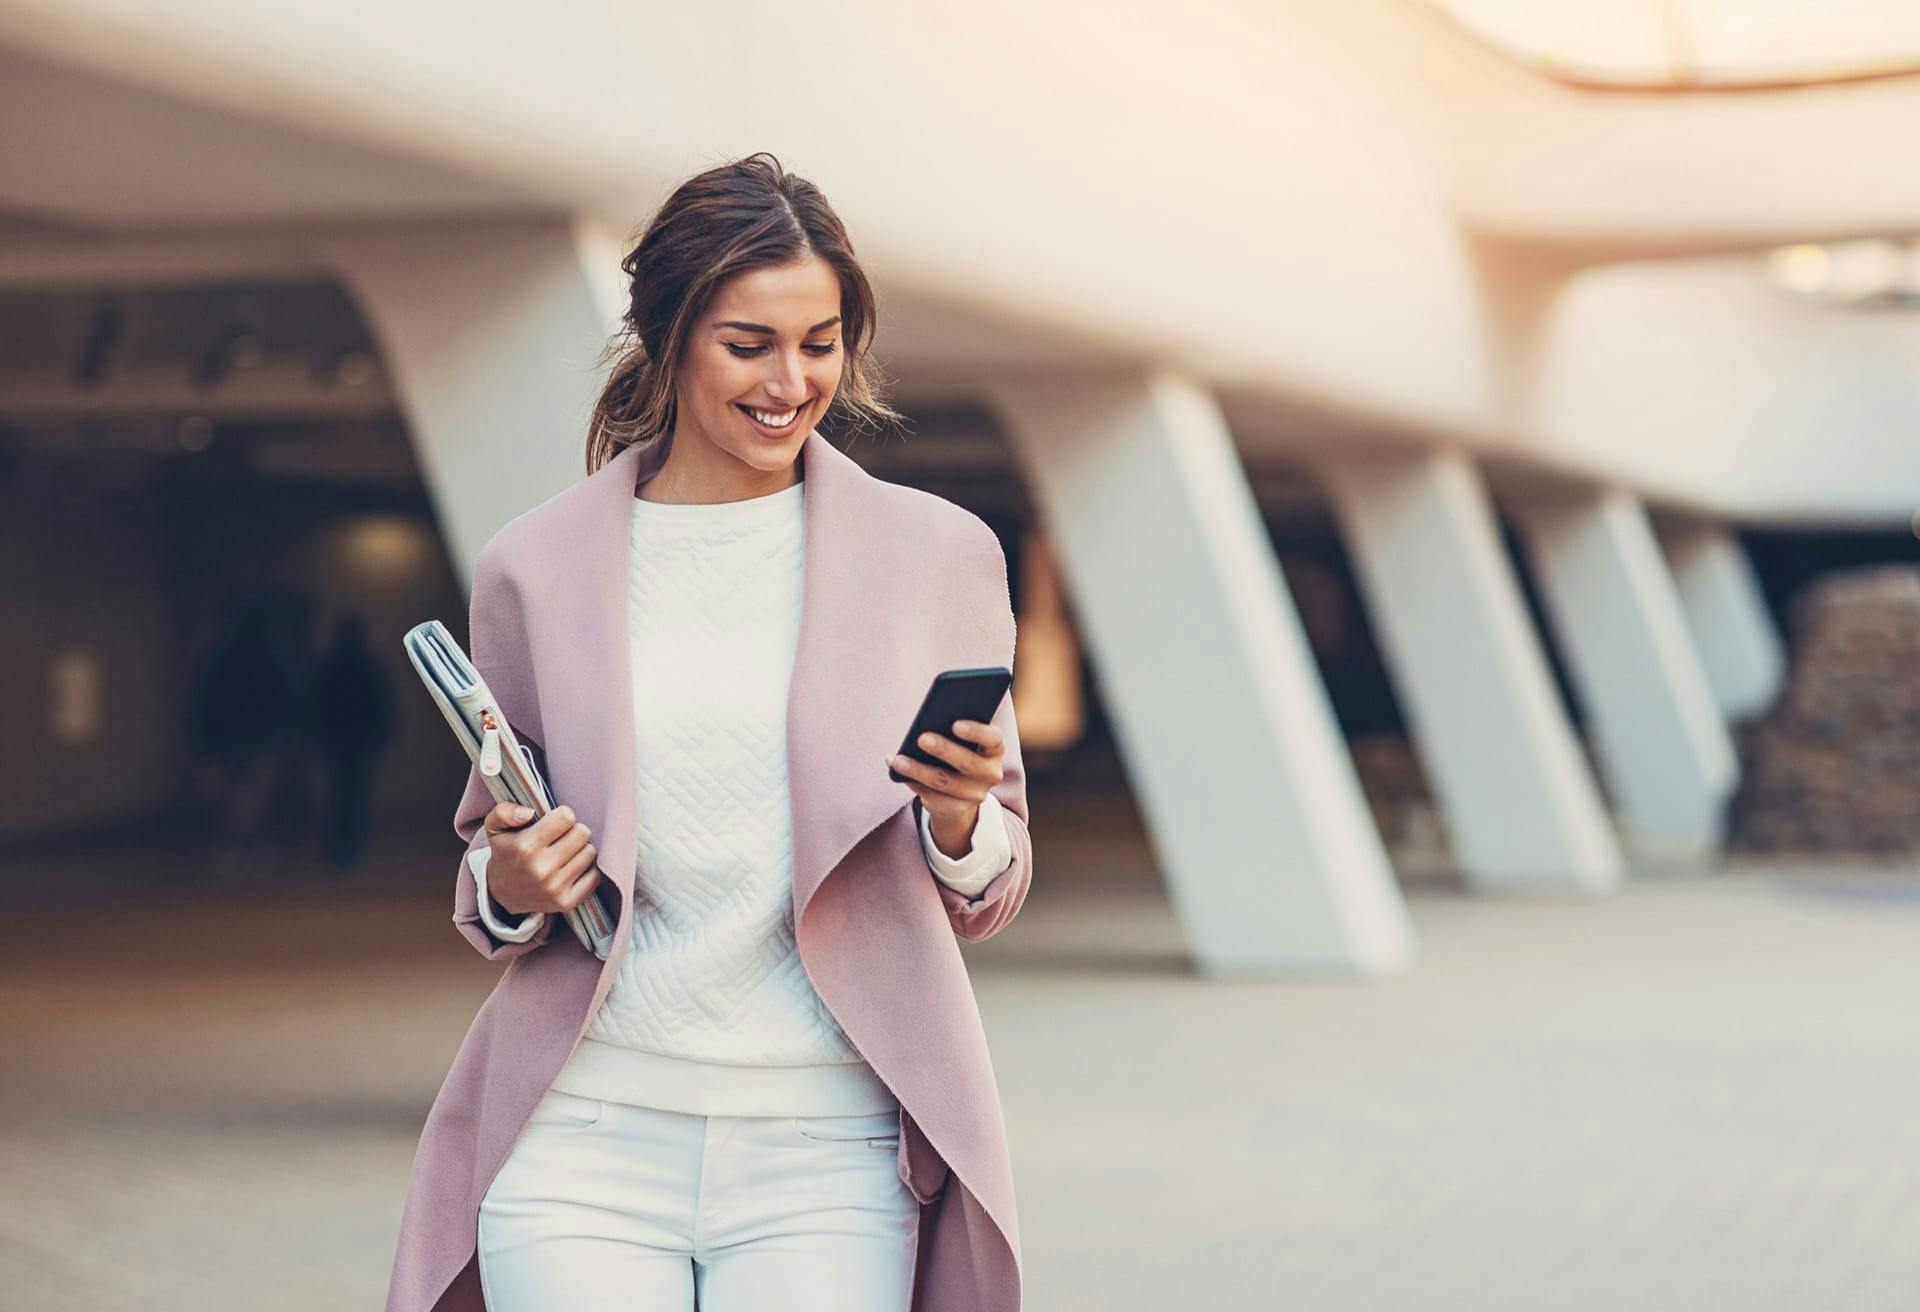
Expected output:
{"points": [[963, 759], [551, 826], [582, 881], [569, 876], [986, 737], [919, 775], [562, 876], [567, 846], [938, 781], [506, 817]]}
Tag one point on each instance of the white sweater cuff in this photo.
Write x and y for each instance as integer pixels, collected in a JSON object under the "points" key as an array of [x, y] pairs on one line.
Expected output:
{"points": [[990, 854], [529, 924]]}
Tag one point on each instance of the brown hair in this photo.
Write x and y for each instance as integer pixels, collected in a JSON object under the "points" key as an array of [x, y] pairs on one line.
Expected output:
{"points": [[742, 215]]}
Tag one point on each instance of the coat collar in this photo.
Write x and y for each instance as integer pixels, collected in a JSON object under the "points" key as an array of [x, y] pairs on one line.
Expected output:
{"points": [[849, 699]]}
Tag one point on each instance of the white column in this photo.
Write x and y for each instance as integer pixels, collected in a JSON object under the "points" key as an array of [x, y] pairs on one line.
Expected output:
{"points": [[1612, 603], [1726, 613], [491, 332], [1521, 807], [1270, 855]]}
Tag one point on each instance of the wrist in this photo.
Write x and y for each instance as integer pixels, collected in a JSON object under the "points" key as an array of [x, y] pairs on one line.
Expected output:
{"points": [[954, 835], [501, 921]]}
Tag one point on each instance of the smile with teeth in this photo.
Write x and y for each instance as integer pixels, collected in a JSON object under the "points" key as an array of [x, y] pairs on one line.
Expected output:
{"points": [[772, 418]]}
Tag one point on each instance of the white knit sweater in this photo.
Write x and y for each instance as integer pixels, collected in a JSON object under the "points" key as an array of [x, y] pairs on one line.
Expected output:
{"points": [[712, 1011]]}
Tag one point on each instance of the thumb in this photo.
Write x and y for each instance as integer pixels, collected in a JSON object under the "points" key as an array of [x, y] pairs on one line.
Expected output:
{"points": [[507, 815]]}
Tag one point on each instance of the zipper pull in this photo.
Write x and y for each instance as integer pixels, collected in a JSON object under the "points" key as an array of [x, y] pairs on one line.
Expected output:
{"points": [[489, 745]]}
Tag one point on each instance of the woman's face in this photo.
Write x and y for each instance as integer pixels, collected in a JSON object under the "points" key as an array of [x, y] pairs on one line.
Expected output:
{"points": [[763, 364]]}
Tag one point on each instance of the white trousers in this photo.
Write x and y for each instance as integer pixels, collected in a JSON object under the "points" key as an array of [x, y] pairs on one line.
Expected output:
{"points": [[605, 1205]]}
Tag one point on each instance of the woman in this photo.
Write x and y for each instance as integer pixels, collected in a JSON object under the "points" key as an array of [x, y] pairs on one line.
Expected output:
{"points": [[776, 1091]]}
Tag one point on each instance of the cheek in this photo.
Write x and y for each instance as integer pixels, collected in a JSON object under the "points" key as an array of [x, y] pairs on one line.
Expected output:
{"points": [[718, 376]]}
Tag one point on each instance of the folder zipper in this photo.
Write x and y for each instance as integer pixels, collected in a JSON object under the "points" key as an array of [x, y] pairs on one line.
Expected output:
{"points": [[489, 744]]}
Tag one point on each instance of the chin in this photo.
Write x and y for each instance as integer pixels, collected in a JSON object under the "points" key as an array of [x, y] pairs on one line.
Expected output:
{"points": [[780, 448], [770, 456]]}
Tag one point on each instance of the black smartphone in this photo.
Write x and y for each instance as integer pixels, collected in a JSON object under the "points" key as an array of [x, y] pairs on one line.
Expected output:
{"points": [[954, 695]]}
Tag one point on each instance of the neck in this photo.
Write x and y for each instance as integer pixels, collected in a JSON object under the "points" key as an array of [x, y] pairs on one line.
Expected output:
{"points": [[698, 472]]}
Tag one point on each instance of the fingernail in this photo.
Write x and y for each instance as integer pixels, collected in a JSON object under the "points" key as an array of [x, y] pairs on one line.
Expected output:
{"points": [[523, 813]]}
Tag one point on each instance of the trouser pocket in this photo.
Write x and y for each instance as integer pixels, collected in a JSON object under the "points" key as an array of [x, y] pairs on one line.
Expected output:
{"points": [[876, 1129]]}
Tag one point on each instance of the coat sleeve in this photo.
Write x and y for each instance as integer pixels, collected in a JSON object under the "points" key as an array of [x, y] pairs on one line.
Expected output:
{"points": [[988, 851], [497, 645], [982, 915]]}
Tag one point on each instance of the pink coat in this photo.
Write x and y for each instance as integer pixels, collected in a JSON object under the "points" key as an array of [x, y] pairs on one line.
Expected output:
{"points": [[899, 585]]}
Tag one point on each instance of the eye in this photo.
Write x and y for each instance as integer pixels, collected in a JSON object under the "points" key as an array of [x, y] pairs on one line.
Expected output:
{"points": [[746, 352]]}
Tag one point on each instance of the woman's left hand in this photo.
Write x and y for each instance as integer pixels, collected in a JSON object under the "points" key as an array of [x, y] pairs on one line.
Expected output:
{"points": [[952, 793]]}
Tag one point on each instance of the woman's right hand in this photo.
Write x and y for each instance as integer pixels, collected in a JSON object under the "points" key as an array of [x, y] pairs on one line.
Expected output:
{"points": [[543, 866]]}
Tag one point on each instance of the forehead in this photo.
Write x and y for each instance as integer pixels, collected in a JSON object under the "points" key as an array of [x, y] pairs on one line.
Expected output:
{"points": [[789, 297]]}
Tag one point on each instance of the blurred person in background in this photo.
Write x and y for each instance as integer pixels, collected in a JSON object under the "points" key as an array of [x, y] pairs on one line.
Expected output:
{"points": [[241, 710], [352, 720]]}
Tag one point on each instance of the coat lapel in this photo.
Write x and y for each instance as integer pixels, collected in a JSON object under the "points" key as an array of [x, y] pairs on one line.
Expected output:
{"points": [[854, 687], [849, 696]]}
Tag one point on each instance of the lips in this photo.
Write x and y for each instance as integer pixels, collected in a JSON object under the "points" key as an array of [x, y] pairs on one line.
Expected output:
{"points": [[767, 430]]}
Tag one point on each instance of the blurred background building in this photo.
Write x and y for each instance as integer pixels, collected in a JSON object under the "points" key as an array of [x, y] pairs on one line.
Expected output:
{"points": [[1458, 392], [1463, 441]]}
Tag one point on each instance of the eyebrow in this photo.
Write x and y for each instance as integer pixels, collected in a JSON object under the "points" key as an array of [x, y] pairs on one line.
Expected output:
{"points": [[762, 328]]}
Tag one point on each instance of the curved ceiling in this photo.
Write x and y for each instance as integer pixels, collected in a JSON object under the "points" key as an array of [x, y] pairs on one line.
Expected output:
{"points": [[1323, 207], [1705, 44]]}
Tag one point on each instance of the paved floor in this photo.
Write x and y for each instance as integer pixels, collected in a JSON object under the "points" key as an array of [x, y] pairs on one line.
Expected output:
{"points": [[1701, 1093]]}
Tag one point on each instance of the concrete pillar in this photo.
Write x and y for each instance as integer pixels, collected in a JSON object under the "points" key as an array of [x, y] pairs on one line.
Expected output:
{"points": [[491, 331], [1613, 605], [1270, 854], [1726, 613], [1521, 807]]}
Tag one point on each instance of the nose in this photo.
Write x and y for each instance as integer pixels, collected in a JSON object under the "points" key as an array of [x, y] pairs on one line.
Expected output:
{"points": [[790, 383]]}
